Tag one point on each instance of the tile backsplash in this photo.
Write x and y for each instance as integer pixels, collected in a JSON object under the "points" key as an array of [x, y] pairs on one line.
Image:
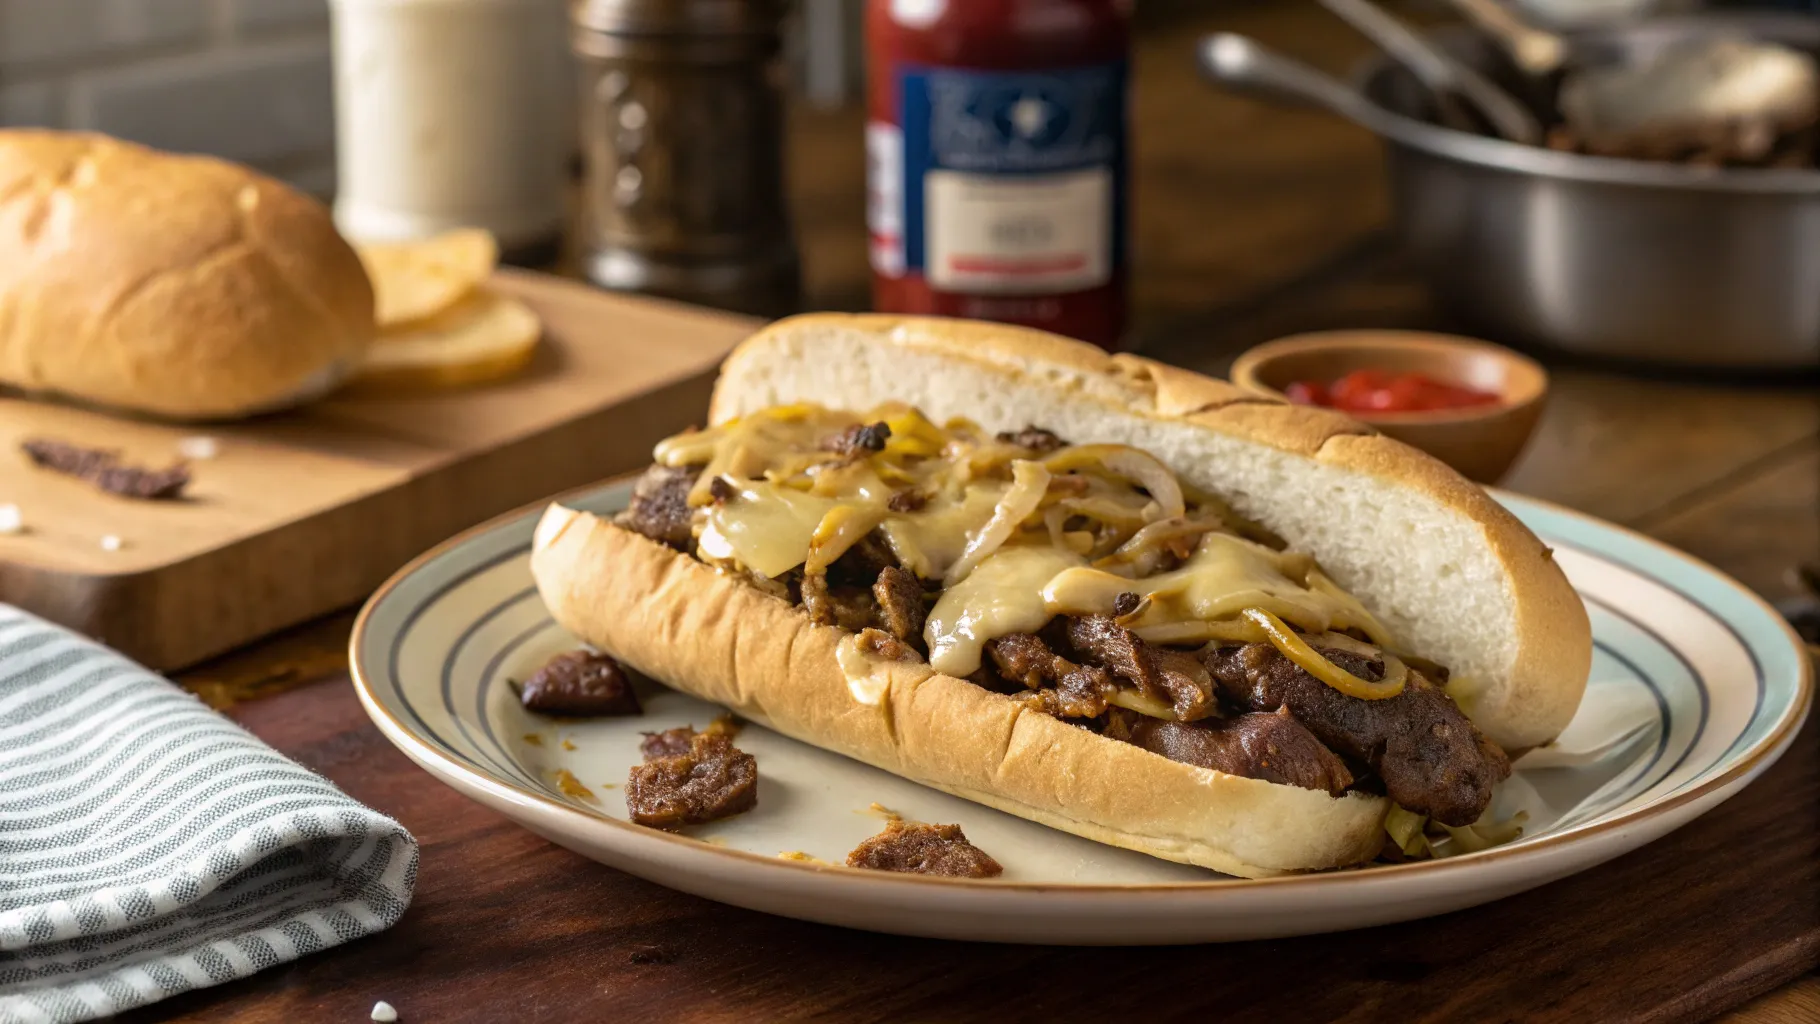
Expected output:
{"points": [[249, 80]]}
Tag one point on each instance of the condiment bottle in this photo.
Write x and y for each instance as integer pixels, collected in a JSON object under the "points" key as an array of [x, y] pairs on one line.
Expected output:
{"points": [[453, 113], [996, 167], [682, 131]]}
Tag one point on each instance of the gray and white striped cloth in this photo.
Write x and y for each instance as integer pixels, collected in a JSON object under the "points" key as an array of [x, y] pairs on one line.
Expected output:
{"points": [[149, 846]]}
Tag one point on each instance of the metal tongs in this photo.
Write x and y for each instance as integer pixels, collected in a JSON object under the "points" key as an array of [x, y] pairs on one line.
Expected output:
{"points": [[1458, 88]]}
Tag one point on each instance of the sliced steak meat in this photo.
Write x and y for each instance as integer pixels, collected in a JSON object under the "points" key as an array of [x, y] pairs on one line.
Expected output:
{"points": [[986, 678], [1269, 746], [924, 850], [1430, 757], [900, 604], [881, 644], [669, 743], [1081, 693], [582, 684], [713, 780], [1078, 691], [850, 608], [907, 500], [103, 468], [660, 506], [859, 439], [860, 564], [1025, 658], [1035, 439], [1173, 676]]}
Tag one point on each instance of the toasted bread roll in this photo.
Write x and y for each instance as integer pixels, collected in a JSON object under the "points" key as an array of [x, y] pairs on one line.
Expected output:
{"points": [[178, 286]]}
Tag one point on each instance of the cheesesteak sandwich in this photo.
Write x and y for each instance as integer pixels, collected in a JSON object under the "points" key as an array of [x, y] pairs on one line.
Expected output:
{"points": [[1110, 596]]}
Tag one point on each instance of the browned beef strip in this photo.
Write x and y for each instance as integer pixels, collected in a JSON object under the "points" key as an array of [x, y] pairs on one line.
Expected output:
{"points": [[881, 644], [1430, 756], [1173, 676], [660, 506], [669, 743], [986, 678], [1078, 691], [900, 604], [850, 608], [860, 564], [713, 780], [1036, 439], [580, 683], [103, 468], [1081, 693], [859, 439], [924, 850], [1269, 746], [1025, 658], [907, 500]]}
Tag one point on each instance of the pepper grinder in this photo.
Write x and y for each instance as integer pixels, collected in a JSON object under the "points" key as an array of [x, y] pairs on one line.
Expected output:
{"points": [[682, 133]]}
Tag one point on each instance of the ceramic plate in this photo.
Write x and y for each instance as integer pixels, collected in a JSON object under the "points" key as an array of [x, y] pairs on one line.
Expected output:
{"points": [[1697, 687]]}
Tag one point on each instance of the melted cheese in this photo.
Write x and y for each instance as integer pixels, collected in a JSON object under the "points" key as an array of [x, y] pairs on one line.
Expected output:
{"points": [[766, 528], [787, 483], [1003, 595], [1225, 576]]}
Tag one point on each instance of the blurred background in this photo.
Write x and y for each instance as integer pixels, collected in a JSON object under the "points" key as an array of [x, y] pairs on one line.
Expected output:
{"points": [[254, 81]]}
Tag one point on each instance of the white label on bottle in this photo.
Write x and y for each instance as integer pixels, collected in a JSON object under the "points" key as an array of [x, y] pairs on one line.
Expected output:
{"points": [[1029, 234], [885, 197]]}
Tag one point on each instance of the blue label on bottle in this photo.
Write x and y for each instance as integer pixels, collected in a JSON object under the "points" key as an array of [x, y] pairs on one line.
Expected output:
{"points": [[1012, 182]]}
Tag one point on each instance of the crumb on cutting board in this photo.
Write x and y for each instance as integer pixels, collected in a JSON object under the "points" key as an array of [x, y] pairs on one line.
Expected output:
{"points": [[199, 448]]}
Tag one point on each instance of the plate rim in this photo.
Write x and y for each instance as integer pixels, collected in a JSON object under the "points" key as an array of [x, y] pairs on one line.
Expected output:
{"points": [[1745, 766]]}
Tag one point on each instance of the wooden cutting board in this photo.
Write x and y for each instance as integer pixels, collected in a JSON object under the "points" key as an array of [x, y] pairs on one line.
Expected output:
{"points": [[306, 512]]}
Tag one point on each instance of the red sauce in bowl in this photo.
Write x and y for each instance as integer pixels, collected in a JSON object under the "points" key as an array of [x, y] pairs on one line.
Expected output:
{"points": [[1368, 391]]}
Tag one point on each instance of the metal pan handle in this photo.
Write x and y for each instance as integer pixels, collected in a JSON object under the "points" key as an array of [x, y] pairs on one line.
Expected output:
{"points": [[1245, 65]]}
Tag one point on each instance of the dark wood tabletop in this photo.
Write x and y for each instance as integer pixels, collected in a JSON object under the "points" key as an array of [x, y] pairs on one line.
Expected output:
{"points": [[1251, 222]]}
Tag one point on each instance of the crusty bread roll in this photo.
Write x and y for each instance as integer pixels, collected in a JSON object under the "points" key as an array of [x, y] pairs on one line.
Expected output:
{"points": [[178, 286], [1453, 575]]}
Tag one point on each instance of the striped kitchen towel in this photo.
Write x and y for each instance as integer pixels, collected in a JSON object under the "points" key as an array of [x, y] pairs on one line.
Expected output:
{"points": [[149, 846]]}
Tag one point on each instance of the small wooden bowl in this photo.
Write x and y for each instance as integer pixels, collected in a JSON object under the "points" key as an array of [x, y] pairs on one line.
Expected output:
{"points": [[1480, 442]]}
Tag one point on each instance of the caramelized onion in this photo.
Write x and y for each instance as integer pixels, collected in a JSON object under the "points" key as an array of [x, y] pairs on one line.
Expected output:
{"points": [[1143, 553], [1029, 482], [1357, 617], [1126, 462], [1132, 700], [1311, 661]]}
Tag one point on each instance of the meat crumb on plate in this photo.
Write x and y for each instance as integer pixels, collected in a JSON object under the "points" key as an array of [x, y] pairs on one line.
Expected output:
{"points": [[711, 780], [919, 849]]}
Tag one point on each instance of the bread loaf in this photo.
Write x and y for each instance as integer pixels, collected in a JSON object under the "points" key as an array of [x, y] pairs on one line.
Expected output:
{"points": [[178, 286]]}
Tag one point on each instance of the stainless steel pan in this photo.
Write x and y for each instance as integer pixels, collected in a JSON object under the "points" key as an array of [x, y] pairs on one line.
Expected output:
{"points": [[1661, 263]]}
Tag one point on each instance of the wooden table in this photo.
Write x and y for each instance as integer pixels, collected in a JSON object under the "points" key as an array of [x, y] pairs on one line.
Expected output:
{"points": [[1251, 222]]}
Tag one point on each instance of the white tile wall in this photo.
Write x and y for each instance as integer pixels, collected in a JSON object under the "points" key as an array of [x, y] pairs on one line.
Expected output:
{"points": [[32, 103], [38, 31], [249, 80], [257, 15], [252, 104]]}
